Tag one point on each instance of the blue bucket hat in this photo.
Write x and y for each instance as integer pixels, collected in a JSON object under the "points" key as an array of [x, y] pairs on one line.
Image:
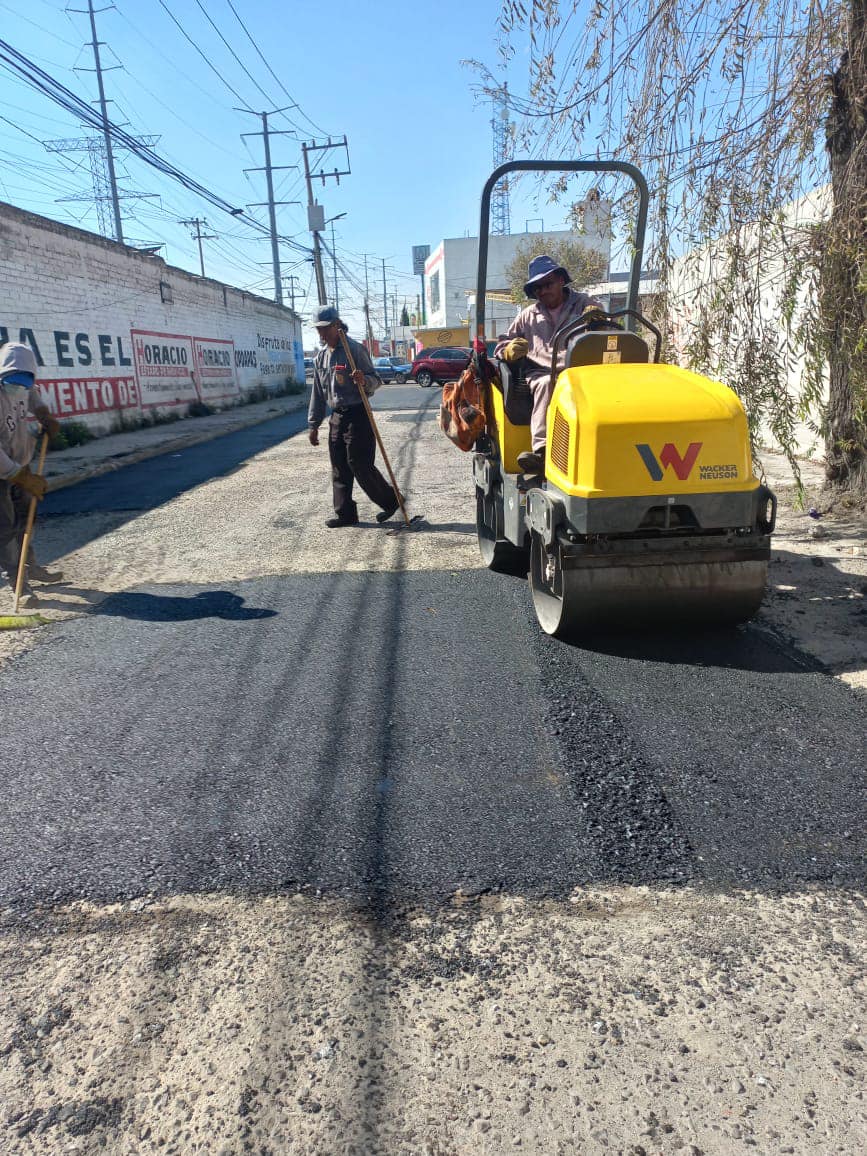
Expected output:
{"points": [[325, 315], [540, 268]]}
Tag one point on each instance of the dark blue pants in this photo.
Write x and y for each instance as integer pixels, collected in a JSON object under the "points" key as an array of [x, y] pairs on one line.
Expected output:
{"points": [[352, 449]]}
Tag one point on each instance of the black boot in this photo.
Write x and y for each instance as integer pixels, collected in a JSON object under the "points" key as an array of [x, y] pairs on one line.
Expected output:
{"points": [[532, 462]]}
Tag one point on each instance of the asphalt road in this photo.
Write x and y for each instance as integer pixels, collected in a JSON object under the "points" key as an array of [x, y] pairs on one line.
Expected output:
{"points": [[395, 737], [150, 483]]}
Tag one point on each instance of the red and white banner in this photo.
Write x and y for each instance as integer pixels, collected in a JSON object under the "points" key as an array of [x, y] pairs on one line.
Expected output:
{"points": [[215, 368], [164, 366], [77, 396]]}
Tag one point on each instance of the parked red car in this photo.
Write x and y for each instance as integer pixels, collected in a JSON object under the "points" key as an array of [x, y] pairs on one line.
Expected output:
{"points": [[436, 365]]}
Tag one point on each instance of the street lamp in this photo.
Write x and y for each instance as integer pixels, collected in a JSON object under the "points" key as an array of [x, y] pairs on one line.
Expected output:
{"points": [[330, 222]]}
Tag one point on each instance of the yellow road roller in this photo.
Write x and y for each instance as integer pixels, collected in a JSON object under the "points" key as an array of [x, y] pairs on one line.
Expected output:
{"points": [[648, 509]]}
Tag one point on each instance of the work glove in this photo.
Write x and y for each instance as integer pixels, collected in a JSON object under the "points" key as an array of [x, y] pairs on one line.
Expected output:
{"points": [[34, 484], [517, 348], [50, 425]]}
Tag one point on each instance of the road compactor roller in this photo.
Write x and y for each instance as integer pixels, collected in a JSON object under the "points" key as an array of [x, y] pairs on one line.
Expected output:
{"points": [[648, 510]]}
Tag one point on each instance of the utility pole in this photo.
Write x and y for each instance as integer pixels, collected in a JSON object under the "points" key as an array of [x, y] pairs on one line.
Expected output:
{"points": [[195, 223], [292, 278], [109, 156], [367, 307], [99, 150], [315, 212], [269, 170], [334, 268], [384, 298], [330, 222]]}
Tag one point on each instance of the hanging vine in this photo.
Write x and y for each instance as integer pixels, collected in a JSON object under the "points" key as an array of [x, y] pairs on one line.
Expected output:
{"points": [[727, 107]]}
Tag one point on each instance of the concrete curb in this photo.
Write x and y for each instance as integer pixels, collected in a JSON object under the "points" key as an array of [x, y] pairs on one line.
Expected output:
{"points": [[194, 437]]}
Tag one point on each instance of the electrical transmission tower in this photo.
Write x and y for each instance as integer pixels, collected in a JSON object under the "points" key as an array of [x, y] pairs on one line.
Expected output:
{"points": [[104, 195], [500, 224]]}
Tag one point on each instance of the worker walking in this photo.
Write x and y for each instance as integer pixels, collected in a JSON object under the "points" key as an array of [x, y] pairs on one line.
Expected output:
{"points": [[531, 335], [21, 416], [351, 440]]}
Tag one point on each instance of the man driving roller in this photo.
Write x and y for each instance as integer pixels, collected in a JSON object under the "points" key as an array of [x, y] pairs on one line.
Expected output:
{"points": [[531, 335]]}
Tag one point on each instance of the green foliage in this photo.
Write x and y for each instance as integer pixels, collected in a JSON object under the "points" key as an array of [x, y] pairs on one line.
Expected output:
{"points": [[733, 111], [586, 266], [72, 433]]}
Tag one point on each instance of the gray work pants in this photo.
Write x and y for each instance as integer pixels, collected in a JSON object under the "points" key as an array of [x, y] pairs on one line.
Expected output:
{"points": [[14, 504]]}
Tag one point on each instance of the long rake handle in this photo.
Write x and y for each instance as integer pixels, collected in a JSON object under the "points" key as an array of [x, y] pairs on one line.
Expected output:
{"points": [[28, 530], [367, 406]]}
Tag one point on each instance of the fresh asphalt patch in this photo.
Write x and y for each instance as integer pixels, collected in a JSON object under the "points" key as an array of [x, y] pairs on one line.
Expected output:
{"points": [[399, 737]]}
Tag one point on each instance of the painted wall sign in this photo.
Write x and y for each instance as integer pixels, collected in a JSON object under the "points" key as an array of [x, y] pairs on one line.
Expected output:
{"points": [[215, 368], [164, 366], [66, 348], [74, 397]]}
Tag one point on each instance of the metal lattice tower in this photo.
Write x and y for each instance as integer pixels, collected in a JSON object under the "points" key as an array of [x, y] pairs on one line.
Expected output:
{"points": [[500, 224], [102, 196]]}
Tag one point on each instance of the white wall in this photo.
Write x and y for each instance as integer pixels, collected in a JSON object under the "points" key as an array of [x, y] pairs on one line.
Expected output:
{"points": [[696, 276], [109, 347]]}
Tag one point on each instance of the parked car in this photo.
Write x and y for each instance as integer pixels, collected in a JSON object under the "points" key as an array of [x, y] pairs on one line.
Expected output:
{"points": [[384, 369], [437, 365], [392, 369], [402, 369], [308, 365]]}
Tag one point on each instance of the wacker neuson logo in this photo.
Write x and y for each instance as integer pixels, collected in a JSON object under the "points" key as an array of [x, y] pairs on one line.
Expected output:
{"points": [[669, 455], [682, 464]]}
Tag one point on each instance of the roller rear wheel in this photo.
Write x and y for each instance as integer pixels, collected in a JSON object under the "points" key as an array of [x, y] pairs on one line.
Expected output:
{"points": [[578, 601], [498, 553], [555, 601]]}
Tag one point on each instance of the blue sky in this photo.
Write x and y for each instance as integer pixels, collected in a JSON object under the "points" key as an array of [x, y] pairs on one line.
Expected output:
{"points": [[390, 77]]}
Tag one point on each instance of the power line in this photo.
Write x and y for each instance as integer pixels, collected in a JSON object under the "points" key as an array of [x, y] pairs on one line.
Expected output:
{"points": [[283, 88], [233, 52], [215, 71], [43, 82]]}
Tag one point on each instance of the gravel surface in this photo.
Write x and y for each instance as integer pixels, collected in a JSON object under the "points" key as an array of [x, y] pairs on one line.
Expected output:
{"points": [[321, 847]]}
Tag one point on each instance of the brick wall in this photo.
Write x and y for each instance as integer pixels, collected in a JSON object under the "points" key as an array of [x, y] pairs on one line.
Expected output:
{"points": [[118, 334]]}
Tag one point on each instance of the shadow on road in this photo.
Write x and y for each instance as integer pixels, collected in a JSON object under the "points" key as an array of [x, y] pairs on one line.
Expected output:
{"points": [[750, 648], [171, 608]]}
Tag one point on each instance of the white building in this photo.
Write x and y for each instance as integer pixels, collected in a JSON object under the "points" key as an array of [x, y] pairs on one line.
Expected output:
{"points": [[451, 269]]}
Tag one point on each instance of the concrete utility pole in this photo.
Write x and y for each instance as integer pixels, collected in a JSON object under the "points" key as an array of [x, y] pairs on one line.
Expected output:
{"points": [[330, 222], [195, 223], [315, 212], [384, 298], [98, 148], [269, 170], [109, 156], [291, 279], [367, 307]]}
